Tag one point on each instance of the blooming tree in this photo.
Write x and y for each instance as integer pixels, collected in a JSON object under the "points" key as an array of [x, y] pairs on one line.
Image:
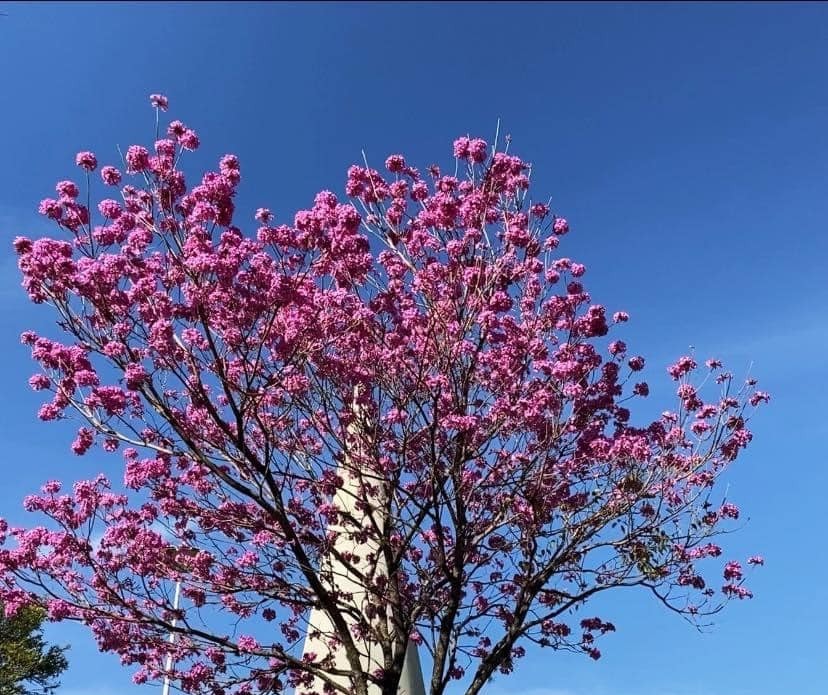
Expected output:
{"points": [[418, 347]]}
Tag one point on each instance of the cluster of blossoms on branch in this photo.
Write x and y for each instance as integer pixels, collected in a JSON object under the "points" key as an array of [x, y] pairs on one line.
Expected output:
{"points": [[419, 345]]}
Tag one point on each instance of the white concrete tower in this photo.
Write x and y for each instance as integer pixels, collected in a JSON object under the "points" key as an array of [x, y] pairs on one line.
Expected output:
{"points": [[343, 577]]}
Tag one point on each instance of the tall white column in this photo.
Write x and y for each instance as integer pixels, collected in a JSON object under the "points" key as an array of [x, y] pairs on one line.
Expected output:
{"points": [[343, 577], [411, 678]]}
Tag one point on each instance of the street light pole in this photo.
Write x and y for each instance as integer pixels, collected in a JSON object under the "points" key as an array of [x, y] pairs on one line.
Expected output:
{"points": [[165, 690]]}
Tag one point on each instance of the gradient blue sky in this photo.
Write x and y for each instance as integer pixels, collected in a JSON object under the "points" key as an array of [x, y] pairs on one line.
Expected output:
{"points": [[685, 143]]}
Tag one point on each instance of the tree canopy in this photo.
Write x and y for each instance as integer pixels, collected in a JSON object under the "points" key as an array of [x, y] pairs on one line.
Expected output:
{"points": [[408, 387], [28, 666]]}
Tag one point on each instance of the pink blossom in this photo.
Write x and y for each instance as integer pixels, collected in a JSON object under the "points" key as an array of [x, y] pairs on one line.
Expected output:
{"points": [[246, 643], [51, 487], [395, 163], [134, 375], [159, 101], [263, 215], [38, 382], [137, 159], [176, 129], [50, 208], [110, 176], [110, 209], [734, 590], [22, 245], [560, 226], [112, 399], [682, 367], [165, 147], [617, 347], [86, 160], [477, 150], [729, 511], [461, 148], [49, 411], [699, 427], [636, 363], [189, 140], [83, 441], [733, 570], [67, 189], [229, 163]]}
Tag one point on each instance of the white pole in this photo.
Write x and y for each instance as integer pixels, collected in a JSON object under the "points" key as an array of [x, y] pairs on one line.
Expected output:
{"points": [[411, 680], [165, 690]]}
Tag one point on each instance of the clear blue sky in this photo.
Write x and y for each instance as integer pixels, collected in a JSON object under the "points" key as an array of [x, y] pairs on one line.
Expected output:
{"points": [[687, 145]]}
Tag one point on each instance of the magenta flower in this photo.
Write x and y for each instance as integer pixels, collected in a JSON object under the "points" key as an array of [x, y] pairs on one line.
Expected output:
{"points": [[67, 189], [461, 148], [263, 215], [189, 140], [159, 101], [110, 209], [395, 163], [682, 367], [110, 176], [86, 160], [477, 149], [636, 363], [733, 570], [137, 159]]}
